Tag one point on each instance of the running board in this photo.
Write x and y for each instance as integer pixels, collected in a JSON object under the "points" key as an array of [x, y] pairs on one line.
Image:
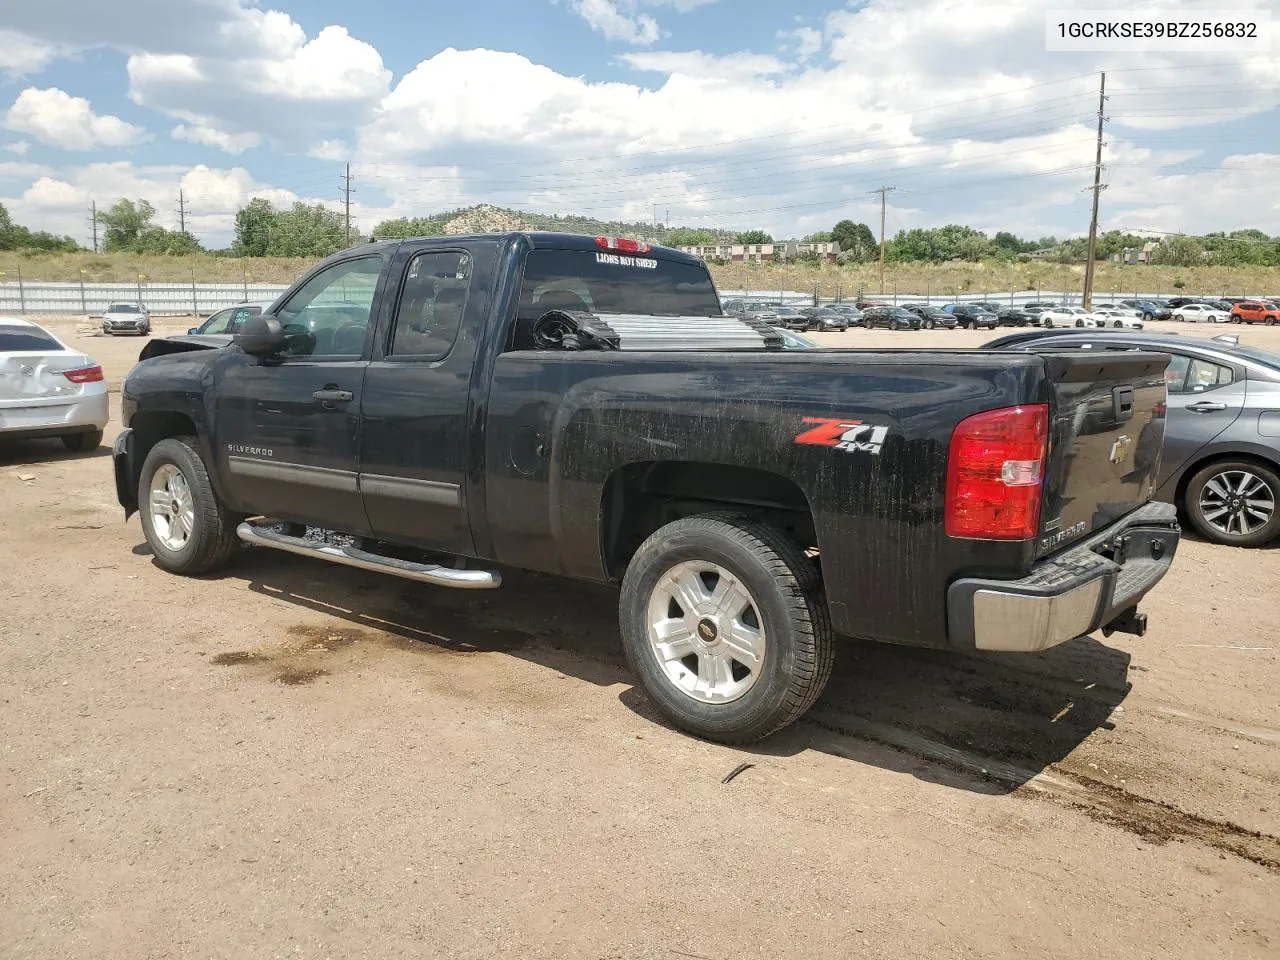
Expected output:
{"points": [[260, 536]]}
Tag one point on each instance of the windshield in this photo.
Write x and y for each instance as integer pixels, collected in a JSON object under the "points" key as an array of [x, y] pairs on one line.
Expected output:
{"points": [[122, 308]]}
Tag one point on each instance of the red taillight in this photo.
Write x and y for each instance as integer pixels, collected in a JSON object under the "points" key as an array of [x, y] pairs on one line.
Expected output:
{"points": [[622, 245], [84, 374], [995, 473], [1159, 410]]}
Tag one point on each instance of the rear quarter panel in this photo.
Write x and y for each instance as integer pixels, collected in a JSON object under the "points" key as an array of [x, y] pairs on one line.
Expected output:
{"points": [[878, 511]]}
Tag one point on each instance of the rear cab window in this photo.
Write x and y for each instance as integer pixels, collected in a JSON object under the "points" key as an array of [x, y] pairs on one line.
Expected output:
{"points": [[603, 283]]}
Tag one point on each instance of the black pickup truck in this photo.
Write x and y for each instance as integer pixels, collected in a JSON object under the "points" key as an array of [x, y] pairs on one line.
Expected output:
{"points": [[439, 408]]}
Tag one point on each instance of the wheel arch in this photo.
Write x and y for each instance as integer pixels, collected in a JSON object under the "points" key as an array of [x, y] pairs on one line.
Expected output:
{"points": [[640, 497], [1206, 459]]}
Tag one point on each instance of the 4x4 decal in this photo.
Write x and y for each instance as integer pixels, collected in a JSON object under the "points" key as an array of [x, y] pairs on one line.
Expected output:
{"points": [[852, 436]]}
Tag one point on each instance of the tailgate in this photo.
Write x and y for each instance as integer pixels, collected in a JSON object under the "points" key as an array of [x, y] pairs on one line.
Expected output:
{"points": [[1105, 440]]}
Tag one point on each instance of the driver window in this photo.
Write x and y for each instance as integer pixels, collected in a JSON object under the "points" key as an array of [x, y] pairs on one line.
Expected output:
{"points": [[329, 315], [432, 301]]}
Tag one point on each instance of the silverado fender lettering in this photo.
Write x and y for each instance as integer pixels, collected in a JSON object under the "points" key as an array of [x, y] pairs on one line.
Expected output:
{"points": [[404, 408]]}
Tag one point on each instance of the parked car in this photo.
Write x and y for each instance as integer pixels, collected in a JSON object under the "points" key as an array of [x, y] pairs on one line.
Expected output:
{"points": [[753, 309], [864, 304], [971, 317], [1201, 313], [1149, 309], [1108, 315], [850, 312], [126, 318], [1068, 317], [49, 390], [1015, 317], [1256, 311], [991, 306], [892, 318], [229, 321], [931, 317], [1221, 457], [599, 418], [826, 318], [791, 318]]}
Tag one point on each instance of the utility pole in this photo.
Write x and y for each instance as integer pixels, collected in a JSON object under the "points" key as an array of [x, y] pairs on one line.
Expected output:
{"points": [[346, 179], [93, 222], [1087, 299], [884, 192], [182, 212]]}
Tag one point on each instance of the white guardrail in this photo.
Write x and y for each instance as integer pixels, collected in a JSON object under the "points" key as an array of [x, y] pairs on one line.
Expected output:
{"points": [[90, 299]]}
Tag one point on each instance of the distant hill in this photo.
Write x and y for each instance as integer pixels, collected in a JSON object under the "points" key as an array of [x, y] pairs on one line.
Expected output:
{"points": [[486, 218]]}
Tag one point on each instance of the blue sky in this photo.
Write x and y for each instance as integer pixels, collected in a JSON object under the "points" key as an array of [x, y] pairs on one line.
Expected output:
{"points": [[734, 113]]}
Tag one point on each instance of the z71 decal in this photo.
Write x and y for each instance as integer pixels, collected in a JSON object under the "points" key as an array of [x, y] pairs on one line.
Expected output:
{"points": [[852, 436]]}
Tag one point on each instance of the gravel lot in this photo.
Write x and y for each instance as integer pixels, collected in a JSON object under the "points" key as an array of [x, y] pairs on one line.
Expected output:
{"points": [[300, 760]]}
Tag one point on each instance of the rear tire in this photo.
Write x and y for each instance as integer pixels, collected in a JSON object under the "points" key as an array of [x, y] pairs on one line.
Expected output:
{"points": [[83, 442], [702, 579], [1216, 488], [190, 531]]}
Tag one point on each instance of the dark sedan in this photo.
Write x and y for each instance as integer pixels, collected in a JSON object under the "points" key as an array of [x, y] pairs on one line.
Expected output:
{"points": [[826, 318], [930, 316], [1221, 462], [790, 317], [1150, 309], [1015, 317], [894, 318]]}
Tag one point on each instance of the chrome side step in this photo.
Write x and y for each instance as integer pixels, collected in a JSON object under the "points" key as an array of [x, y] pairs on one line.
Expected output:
{"points": [[258, 535]]}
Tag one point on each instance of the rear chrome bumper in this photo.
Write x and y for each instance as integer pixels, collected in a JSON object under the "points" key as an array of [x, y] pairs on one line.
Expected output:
{"points": [[1091, 585], [52, 417]]}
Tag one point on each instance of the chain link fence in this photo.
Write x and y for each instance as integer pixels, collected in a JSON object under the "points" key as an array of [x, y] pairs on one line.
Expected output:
{"points": [[162, 299]]}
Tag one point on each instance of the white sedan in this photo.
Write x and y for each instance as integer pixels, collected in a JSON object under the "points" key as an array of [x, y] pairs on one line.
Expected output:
{"points": [[1068, 317], [1118, 317], [1201, 313], [47, 389]]}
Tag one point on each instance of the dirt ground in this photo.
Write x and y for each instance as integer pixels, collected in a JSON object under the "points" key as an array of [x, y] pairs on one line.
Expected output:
{"points": [[293, 759]]}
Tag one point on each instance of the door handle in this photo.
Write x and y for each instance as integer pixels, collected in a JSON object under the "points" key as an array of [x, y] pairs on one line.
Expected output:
{"points": [[333, 396], [1206, 406]]}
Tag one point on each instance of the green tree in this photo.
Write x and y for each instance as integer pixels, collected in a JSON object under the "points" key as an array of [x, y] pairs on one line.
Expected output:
{"points": [[306, 231], [855, 238], [172, 243], [253, 228], [123, 224], [402, 227], [755, 236], [1179, 252], [822, 236], [689, 237]]}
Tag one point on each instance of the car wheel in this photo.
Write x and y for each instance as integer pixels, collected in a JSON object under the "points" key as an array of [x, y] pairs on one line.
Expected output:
{"points": [[1079, 323], [1047, 323], [1118, 324], [1147, 317], [1234, 502], [188, 529], [1270, 321], [83, 442], [927, 324], [724, 622]]}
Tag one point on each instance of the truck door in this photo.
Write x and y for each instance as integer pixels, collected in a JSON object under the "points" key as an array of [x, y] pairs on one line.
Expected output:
{"points": [[414, 440], [288, 431]]}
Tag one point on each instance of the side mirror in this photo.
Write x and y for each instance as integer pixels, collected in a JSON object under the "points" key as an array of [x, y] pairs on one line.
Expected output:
{"points": [[261, 336], [191, 330]]}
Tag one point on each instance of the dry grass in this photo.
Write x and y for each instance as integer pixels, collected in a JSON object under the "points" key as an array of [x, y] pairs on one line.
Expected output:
{"points": [[937, 280]]}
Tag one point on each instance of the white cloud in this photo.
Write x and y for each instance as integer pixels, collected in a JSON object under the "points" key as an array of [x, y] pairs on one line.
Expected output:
{"points": [[58, 201], [303, 90], [618, 20], [20, 147], [21, 55], [234, 143], [55, 117], [330, 150], [805, 41]]}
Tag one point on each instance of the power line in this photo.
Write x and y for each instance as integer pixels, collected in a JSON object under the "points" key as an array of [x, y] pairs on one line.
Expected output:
{"points": [[93, 222], [1087, 299], [182, 212]]}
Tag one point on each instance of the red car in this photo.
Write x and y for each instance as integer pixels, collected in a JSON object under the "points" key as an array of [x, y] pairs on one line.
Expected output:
{"points": [[1255, 311]]}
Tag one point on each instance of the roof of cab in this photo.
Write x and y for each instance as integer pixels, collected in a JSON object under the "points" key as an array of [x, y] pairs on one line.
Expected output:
{"points": [[547, 240]]}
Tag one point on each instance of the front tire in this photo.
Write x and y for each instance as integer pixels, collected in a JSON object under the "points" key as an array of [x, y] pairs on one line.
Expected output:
{"points": [[188, 528], [1118, 324], [724, 621], [1234, 502]]}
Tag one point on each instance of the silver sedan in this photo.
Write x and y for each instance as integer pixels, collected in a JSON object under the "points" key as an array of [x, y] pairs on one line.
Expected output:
{"points": [[47, 389]]}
